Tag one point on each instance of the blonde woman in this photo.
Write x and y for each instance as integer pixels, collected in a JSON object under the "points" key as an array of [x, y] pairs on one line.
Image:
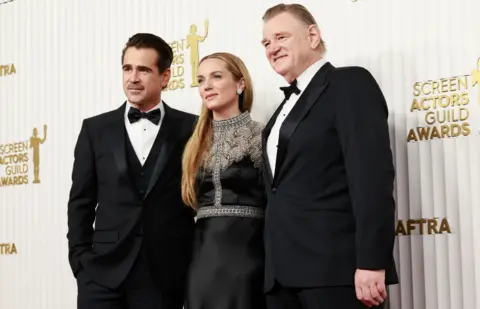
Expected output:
{"points": [[221, 180]]}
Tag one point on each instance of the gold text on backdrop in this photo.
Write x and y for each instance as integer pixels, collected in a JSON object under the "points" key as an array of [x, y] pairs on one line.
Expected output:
{"points": [[179, 47], [14, 159], [7, 69], [424, 226], [8, 248], [444, 104]]}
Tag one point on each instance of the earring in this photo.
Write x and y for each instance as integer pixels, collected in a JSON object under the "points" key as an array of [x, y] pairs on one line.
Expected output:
{"points": [[239, 91]]}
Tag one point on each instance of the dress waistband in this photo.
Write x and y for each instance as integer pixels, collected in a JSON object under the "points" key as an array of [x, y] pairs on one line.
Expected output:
{"points": [[230, 211]]}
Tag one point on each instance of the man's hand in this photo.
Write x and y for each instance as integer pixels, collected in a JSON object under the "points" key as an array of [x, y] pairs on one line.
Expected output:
{"points": [[370, 286]]}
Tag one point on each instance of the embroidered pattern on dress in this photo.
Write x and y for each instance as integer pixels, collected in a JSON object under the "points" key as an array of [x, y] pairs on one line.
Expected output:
{"points": [[233, 140]]}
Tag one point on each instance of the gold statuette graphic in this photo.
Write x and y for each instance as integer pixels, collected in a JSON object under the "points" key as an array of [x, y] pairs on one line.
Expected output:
{"points": [[476, 79], [35, 143], [193, 42]]}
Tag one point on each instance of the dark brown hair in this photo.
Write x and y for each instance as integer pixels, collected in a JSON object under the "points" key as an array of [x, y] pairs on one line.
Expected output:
{"points": [[148, 40]]}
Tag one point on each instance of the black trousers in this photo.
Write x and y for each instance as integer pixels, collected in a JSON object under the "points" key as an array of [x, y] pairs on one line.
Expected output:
{"points": [[314, 298], [137, 292]]}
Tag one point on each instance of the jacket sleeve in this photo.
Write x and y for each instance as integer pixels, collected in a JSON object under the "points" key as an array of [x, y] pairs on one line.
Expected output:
{"points": [[82, 200]]}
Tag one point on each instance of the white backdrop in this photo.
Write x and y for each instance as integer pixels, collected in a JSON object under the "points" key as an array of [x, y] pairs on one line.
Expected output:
{"points": [[60, 63]]}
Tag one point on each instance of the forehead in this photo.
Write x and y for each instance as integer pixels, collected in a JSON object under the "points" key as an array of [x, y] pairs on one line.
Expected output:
{"points": [[140, 56], [282, 23], [211, 65]]}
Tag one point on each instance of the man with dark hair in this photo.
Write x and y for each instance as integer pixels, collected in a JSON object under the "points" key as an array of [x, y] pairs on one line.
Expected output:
{"points": [[126, 179], [147, 40]]}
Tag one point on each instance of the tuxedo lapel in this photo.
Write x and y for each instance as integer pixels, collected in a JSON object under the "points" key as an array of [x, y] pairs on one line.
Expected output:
{"points": [[265, 134], [170, 127], [315, 88], [116, 140]]}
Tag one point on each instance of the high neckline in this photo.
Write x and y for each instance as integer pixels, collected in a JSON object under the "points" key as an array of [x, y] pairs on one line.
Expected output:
{"points": [[231, 123]]}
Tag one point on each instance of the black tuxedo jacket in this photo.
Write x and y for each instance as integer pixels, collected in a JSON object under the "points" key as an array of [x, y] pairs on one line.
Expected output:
{"points": [[330, 204], [102, 191]]}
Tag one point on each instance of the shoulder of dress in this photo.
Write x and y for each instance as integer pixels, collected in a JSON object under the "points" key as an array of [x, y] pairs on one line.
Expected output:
{"points": [[256, 127]]}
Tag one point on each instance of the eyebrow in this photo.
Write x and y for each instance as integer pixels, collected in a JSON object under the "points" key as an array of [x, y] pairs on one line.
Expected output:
{"points": [[275, 35], [139, 67], [210, 73]]}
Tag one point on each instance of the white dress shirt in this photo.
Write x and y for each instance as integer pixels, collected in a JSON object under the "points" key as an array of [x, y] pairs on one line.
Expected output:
{"points": [[142, 134], [302, 82]]}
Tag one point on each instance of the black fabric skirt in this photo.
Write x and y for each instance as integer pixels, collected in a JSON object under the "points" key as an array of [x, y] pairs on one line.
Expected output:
{"points": [[227, 269]]}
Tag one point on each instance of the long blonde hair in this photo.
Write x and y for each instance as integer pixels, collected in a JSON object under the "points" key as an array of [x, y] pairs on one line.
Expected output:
{"points": [[201, 139]]}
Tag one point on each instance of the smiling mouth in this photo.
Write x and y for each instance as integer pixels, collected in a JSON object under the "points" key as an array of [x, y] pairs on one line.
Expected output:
{"points": [[278, 58], [208, 97]]}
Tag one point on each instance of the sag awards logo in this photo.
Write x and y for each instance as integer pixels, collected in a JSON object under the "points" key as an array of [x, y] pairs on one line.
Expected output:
{"points": [[17, 158], [184, 50], [8, 248], [7, 69], [432, 226], [445, 105]]}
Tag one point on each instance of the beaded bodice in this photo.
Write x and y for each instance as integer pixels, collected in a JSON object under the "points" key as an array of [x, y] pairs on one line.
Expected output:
{"points": [[230, 184]]}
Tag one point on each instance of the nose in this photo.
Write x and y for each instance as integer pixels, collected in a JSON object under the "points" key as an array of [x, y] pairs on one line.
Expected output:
{"points": [[134, 76], [273, 48], [207, 84]]}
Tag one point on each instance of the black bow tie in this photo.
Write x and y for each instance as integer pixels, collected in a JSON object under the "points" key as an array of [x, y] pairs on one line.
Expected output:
{"points": [[135, 115], [290, 89]]}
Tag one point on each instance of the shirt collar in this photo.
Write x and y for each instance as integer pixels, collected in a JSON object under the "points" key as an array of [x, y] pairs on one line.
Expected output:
{"points": [[304, 79]]}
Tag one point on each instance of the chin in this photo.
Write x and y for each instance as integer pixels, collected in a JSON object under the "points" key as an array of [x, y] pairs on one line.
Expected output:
{"points": [[281, 69], [282, 72], [216, 107], [212, 106], [135, 99]]}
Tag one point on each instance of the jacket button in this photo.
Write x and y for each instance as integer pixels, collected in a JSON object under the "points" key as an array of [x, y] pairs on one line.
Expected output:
{"points": [[274, 190]]}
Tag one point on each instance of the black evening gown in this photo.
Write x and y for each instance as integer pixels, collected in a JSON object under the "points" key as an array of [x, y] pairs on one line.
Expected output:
{"points": [[227, 269]]}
